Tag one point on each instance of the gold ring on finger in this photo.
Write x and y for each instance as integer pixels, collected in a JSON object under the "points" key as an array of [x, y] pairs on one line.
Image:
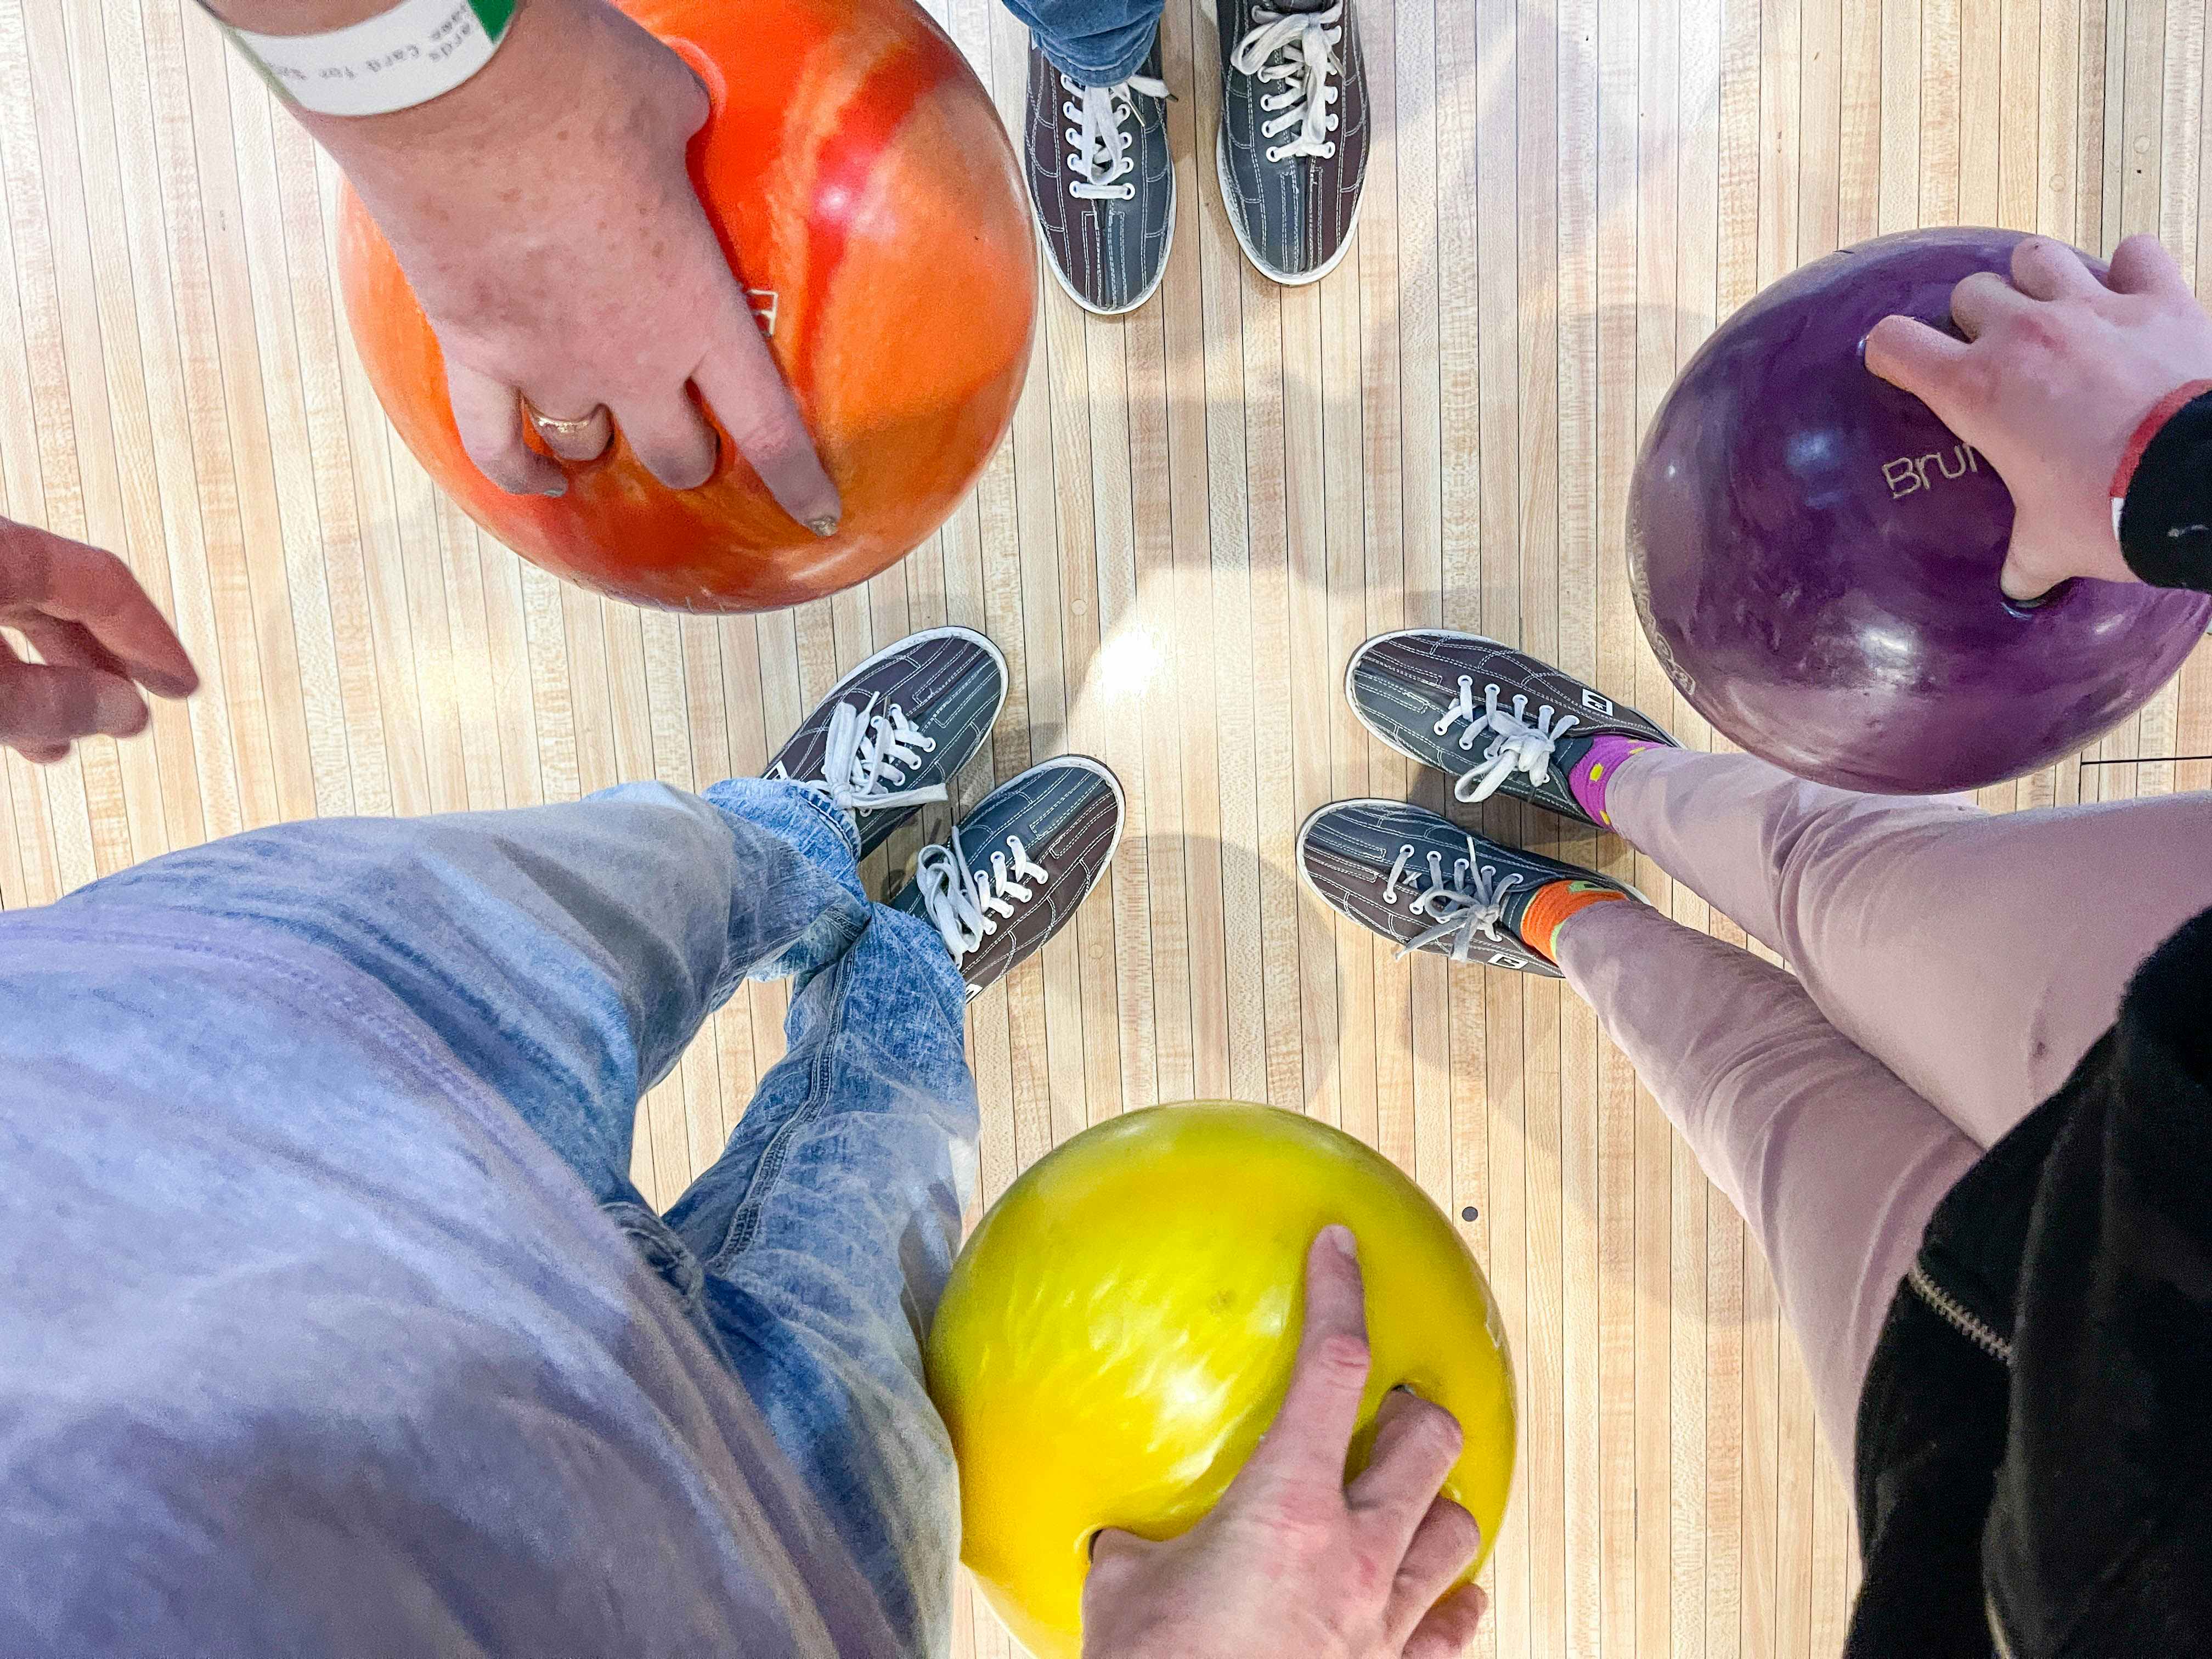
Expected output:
{"points": [[553, 427]]}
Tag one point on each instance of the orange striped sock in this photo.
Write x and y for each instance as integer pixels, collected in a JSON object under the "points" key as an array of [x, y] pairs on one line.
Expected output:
{"points": [[1553, 903]]}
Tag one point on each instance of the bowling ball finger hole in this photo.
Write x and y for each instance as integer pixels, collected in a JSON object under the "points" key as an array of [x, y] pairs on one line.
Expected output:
{"points": [[2042, 601]]}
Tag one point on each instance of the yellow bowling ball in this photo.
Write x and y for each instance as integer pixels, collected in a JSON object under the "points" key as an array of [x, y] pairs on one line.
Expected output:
{"points": [[1120, 1331]]}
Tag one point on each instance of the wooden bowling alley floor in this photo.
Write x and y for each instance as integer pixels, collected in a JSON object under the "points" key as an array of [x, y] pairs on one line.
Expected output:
{"points": [[1202, 509]]}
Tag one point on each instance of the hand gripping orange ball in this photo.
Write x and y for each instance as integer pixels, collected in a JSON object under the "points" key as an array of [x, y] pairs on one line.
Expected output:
{"points": [[866, 195], [1120, 1331]]}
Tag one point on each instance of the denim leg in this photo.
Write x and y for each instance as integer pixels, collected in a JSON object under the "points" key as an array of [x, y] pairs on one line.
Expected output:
{"points": [[826, 1231], [1096, 43], [566, 954]]}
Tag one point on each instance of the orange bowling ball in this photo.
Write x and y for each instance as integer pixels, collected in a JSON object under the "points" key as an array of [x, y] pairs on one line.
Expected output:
{"points": [[866, 195]]}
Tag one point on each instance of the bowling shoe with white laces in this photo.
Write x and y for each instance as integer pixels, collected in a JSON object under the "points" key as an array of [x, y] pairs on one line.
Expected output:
{"points": [[1500, 721], [1102, 182], [894, 734], [1016, 869], [1421, 881], [1295, 132]]}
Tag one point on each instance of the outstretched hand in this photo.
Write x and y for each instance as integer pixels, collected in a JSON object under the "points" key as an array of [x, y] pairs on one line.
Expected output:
{"points": [[98, 634], [1294, 1559], [2059, 368]]}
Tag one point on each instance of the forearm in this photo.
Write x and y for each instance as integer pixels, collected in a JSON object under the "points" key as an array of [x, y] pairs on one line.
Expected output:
{"points": [[417, 150], [2165, 489]]}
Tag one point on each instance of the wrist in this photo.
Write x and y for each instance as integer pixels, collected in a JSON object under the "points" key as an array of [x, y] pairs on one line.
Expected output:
{"points": [[356, 60], [2162, 491], [519, 58], [2147, 429], [450, 161]]}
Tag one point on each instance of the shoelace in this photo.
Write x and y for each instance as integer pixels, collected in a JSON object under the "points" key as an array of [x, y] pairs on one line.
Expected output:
{"points": [[865, 760], [1296, 48], [1515, 745], [1101, 153], [964, 908], [1471, 902]]}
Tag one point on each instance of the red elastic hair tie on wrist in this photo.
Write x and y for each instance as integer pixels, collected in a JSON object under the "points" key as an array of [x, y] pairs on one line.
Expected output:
{"points": [[2151, 425]]}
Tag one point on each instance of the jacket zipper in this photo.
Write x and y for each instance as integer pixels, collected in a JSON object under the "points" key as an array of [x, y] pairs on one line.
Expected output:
{"points": [[1957, 1317], [1978, 1332]]}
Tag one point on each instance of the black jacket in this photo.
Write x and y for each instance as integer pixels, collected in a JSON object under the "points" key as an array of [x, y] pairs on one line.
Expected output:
{"points": [[2035, 1437], [2164, 523]]}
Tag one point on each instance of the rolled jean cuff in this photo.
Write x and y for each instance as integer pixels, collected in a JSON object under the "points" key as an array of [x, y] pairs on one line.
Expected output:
{"points": [[1104, 56], [820, 832]]}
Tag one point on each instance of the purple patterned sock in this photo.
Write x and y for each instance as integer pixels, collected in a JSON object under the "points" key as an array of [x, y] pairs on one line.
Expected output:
{"points": [[1593, 769]]}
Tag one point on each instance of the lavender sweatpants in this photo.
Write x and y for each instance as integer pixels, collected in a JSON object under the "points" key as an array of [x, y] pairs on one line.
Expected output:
{"points": [[1951, 967]]}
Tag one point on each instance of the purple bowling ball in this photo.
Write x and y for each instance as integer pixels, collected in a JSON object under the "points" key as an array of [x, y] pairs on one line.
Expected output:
{"points": [[1815, 555]]}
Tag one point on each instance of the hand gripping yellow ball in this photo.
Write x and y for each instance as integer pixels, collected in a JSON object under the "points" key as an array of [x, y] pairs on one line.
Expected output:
{"points": [[1119, 1330]]}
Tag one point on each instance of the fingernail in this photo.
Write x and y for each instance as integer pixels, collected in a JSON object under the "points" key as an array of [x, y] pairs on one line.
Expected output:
{"points": [[557, 491], [1339, 1239], [824, 526]]}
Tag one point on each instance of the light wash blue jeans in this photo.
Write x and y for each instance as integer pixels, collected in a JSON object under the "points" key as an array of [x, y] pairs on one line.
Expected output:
{"points": [[1095, 43], [566, 954]]}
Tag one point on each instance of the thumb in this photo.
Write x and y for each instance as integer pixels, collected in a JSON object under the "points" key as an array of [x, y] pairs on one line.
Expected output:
{"points": [[1110, 1546], [2023, 577], [1909, 354], [2040, 558]]}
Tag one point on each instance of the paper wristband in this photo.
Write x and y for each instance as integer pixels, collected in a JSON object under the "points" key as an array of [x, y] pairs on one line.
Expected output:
{"points": [[418, 50], [2130, 458]]}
